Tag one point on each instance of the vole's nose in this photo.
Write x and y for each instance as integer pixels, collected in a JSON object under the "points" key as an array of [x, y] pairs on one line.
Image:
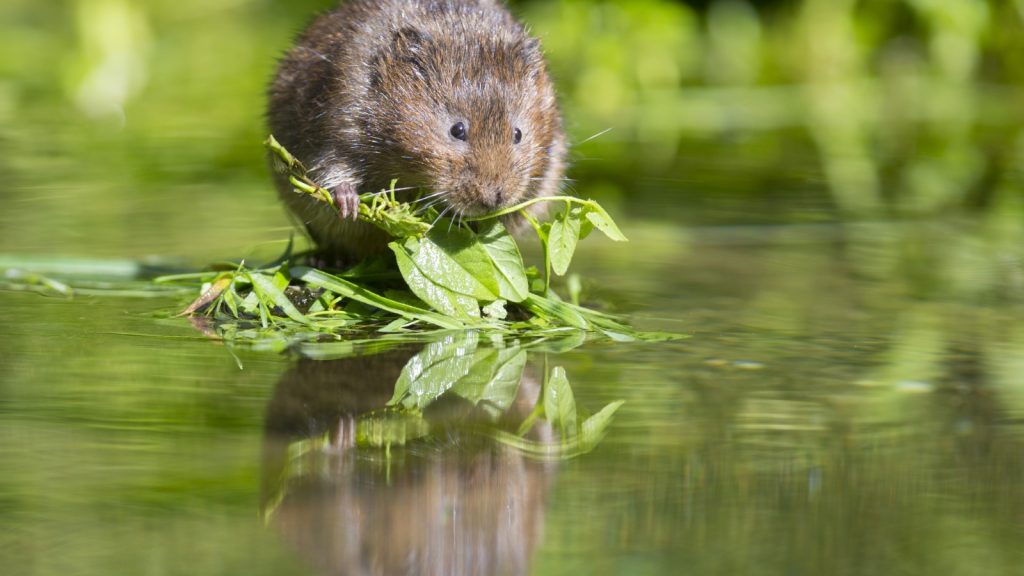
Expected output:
{"points": [[492, 199]]}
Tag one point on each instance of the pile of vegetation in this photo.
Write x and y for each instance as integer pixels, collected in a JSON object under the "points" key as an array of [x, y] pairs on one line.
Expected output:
{"points": [[445, 275]]}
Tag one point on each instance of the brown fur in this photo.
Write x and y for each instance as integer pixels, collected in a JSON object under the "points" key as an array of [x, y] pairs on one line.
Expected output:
{"points": [[370, 93]]}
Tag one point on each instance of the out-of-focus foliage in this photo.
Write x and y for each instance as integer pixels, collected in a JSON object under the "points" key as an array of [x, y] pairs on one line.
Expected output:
{"points": [[133, 109], [903, 106]]}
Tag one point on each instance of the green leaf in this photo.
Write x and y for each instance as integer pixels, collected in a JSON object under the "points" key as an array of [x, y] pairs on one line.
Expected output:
{"points": [[575, 286], [599, 218], [268, 288], [586, 228], [560, 404], [496, 310], [457, 261], [250, 304], [438, 296], [508, 261], [547, 308], [397, 219], [358, 293], [562, 240]]}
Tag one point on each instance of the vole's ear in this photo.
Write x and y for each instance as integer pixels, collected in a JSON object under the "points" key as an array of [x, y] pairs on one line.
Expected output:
{"points": [[407, 45], [409, 40], [530, 51]]}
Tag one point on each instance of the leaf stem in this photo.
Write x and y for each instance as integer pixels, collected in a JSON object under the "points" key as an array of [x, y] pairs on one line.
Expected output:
{"points": [[544, 246], [532, 202]]}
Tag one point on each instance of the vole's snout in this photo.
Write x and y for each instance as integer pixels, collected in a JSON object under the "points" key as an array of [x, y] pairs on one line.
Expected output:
{"points": [[492, 198], [496, 199]]}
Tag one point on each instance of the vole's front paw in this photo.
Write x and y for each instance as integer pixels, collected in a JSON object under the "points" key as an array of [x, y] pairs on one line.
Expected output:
{"points": [[347, 200]]}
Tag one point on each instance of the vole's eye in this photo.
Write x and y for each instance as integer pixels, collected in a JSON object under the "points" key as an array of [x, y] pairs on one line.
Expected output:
{"points": [[517, 136], [458, 131]]}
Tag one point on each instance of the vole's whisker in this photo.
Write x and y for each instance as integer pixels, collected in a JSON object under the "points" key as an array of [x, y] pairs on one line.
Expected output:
{"points": [[429, 206], [595, 136], [429, 196], [439, 216]]}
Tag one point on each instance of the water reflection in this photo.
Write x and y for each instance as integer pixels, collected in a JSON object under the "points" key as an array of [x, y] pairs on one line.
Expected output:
{"points": [[435, 460]]}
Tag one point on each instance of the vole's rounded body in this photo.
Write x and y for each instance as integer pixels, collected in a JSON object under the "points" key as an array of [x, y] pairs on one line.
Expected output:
{"points": [[449, 96]]}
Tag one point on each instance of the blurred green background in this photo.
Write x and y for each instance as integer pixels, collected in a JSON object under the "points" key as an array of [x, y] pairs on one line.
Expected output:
{"points": [[130, 128], [828, 195]]}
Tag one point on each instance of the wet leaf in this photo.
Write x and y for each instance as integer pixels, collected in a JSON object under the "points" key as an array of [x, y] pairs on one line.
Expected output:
{"points": [[355, 292], [508, 261], [266, 288], [496, 310], [563, 239], [438, 296], [207, 297], [457, 261], [599, 218]]}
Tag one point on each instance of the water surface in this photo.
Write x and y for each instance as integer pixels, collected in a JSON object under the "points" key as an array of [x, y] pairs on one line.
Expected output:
{"points": [[849, 402]]}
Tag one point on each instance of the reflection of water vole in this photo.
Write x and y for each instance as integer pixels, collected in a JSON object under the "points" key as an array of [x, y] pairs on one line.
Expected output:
{"points": [[449, 95], [454, 506]]}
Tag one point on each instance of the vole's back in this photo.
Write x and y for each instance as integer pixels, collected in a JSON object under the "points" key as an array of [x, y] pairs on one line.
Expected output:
{"points": [[375, 90]]}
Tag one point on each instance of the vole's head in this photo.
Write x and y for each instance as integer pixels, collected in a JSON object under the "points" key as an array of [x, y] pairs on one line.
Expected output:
{"points": [[469, 116]]}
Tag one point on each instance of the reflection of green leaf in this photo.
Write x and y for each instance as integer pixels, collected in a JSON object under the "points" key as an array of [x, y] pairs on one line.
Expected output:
{"points": [[563, 238], [494, 380], [439, 296], [560, 342], [595, 427], [560, 411], [508, 262], [458, 365], [435, 370], [390, 427], [559, 403]]}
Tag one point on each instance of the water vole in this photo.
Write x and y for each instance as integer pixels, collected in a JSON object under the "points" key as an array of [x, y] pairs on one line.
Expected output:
{"points": [[449, 96]]}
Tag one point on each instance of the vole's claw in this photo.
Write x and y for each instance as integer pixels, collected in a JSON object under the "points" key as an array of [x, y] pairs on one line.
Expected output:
{"points": [[347, 200]]}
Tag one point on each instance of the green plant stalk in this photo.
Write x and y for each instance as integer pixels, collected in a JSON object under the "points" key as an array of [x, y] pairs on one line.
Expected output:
{"points": [[569, 200], [360, 294], [544, 248]]}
